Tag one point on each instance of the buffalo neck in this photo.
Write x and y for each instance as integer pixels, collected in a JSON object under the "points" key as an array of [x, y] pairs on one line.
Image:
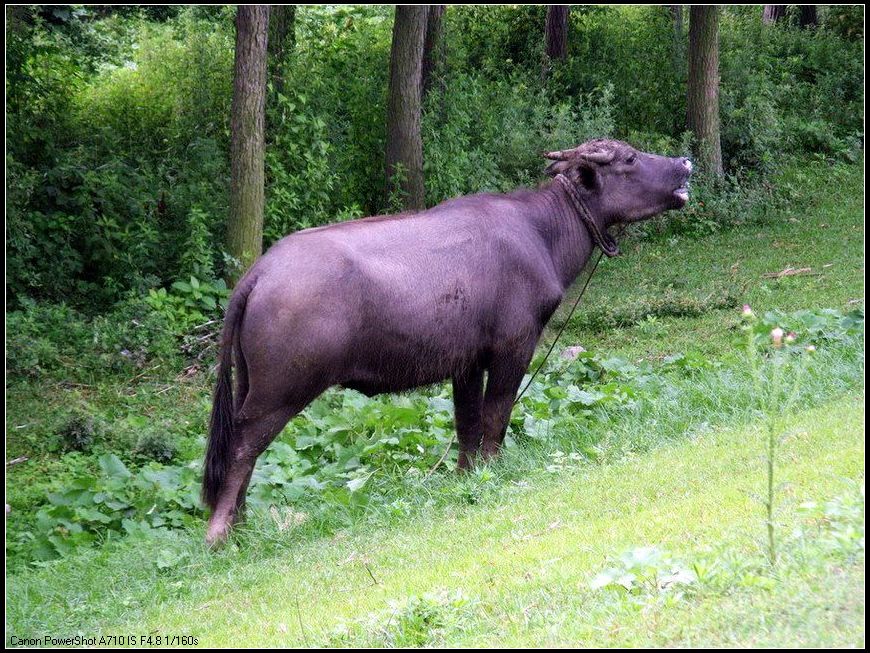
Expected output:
{"points": [[567, 238]]}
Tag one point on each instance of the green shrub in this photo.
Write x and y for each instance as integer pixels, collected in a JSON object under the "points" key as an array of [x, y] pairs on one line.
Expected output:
{"points": [[78, 432], [118, 140], [56, 341], [44, 339], [300, 182], [489, 135], [155, 444], [778, 81]]}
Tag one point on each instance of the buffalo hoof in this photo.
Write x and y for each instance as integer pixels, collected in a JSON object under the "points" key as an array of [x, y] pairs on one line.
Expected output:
{"points": [[216, 535], [489, 451], [465, 461]]}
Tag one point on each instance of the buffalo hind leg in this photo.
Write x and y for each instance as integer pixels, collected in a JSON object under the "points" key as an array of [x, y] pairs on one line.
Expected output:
{"points": [[503, 380], [239, 515], [252, 436], [467, 403]]}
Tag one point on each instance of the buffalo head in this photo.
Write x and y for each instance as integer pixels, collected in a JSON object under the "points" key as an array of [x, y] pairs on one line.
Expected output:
{"points": [[622, 183]]}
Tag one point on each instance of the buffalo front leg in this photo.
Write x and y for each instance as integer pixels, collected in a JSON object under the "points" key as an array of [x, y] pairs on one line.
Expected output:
{"points": [[467, 403], [503, 381]]}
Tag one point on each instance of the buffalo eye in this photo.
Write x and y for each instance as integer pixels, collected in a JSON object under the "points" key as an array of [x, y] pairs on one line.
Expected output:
{"points": [[631, 159]]}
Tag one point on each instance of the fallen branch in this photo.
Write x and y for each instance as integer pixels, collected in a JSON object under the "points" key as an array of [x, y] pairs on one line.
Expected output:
{"points": [[371, 575], [441, 459], [299, 617], [142, 373], [791, 272], [16, 461], [205, 324]]}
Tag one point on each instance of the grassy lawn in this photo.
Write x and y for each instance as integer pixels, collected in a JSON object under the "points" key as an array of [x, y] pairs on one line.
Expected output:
{"points": [[523, 561], [507, 555], [516, 568]]}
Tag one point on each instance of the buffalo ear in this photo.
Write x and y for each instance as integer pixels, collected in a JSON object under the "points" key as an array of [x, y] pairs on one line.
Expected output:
{"points": [[577, 170], [588, 174], [560, 167]]}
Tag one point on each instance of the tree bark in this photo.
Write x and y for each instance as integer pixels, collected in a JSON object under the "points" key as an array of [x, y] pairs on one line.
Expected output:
{"points": [[433, 45], [678, 52], [772, 14], [677, 13], [282, 39], [404, 165], [19, 18], [703, 86], [809, 16], [245, 229], [555, 36]]}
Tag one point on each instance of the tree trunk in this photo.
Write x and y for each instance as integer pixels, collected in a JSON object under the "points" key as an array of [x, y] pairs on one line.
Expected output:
{"points": [[678, 53], [404, 142], [703, 86], [19, 18], [809, 16], [555, 36], [556, 39], [245, 230], [677, 13], [282, 38], [433, 45], [772, 14]]}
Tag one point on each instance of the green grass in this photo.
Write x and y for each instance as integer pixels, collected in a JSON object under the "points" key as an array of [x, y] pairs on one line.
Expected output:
{"points": [[520, 541], [523, 557]]}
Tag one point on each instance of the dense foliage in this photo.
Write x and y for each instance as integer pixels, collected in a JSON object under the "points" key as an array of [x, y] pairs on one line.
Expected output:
{"points": [[117, 170]]}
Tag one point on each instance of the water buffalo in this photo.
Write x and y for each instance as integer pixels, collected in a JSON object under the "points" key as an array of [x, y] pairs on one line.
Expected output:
{"points": [[388, 303]]}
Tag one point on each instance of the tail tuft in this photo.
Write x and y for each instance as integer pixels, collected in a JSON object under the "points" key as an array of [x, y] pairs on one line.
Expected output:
{"points": [[217, 457]]}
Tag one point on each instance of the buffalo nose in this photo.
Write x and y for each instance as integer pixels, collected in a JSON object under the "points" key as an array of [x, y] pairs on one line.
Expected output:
{"points": [[687, 164]]}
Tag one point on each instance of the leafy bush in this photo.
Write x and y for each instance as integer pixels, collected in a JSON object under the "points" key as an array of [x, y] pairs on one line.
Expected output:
{"points": [[153, 444], [43, 339], [298, 168], [804, 328], [645, 569], [138, 145], [199, 297], [78, 432], [91, 508], [489, 135], [786, 82], [838, 523], [54, 340], [118, 123]]}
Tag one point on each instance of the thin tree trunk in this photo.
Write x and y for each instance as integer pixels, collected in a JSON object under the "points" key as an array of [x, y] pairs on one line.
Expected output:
{"points": [[773, 14], [809, 16], [703, 86], [245, 229], [557, 31], [282, 39], [433, 45], [677, 13], [555, 36], [19, 18], [678, 54], [404, 142]]}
